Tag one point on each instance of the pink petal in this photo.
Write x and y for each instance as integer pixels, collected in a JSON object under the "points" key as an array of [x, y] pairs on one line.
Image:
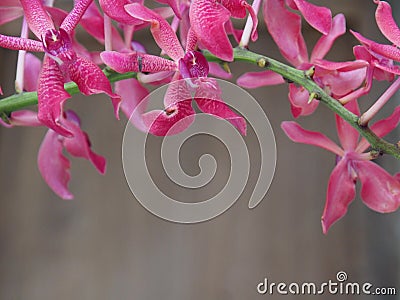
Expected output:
{"points": [[341, 192], [31, 72], [299, 101], [53, 165], [299, 135], [38, 19], [16, 43], [348, 136], [379, 191], [209, 99], [193, 65], [251, 80], [8, 14], [162, 32], [79, 144], [208, 18], [136, 62], [174, 5], [51, 96], [318, 17], [116, 11], [285, 28], [382, 128], [386, 23], [325, 43], [75, 15], [218, 71], [25, 118], [91, 80]]}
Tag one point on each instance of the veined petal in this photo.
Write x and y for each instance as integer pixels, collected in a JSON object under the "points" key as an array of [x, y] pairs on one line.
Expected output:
{"points": [[348, 135], [209, 99], [381, 128], [51, 96], [174, 4], [318, 17], [341, 192], [251, 80], [91, 80], [31, 72], [16, 43], [38, 19], [341, 66], [285, 28], [386, 23], [379, 191], [299, 135], [53, 165], [208, 18], [75, 15], [79, 144], [162, 32], [325, 43], [116, 11], [218, 71], [137, 62], [8, 14], [299, 101]]}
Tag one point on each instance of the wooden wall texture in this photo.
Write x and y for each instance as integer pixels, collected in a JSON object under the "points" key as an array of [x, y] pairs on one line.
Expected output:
{"points": [[105, 245]]}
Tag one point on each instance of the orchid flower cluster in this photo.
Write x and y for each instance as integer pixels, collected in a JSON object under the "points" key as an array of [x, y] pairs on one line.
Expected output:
{"points": [[194, 40]]}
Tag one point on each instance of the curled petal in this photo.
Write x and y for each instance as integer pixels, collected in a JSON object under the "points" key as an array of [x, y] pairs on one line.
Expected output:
{"points": [[162, 32], [386, 23], [116, 11], [341, 192], [299, 101], [285, 28], [193, 65], [318, 17], [51, 96], [208, 18], [299, 135], [253, 80], [209, 99], [91, 80], [136, 62], [79, 144], [53, 165], [325, 43], [348, 135], [379, 191], [174, 5]]}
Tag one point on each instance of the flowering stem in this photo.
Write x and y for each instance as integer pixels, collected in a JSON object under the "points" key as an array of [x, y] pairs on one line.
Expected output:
{"points": [[375, 108], [20, 101]]}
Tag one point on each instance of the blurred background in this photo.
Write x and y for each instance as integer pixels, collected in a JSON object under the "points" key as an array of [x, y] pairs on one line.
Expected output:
{"points": [[105, 245]]}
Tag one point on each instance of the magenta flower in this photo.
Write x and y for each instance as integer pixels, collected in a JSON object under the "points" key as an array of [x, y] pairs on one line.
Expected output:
{"points": [[61, 63], [191, 65], [379, 191]]}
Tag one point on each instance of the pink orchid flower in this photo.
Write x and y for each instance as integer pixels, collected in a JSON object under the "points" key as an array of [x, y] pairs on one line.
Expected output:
{"points": [[191, 65], [61, 63], [379, 191]]}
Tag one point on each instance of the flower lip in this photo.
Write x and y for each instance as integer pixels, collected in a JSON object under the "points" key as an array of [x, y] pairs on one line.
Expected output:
{"points": [[193, 65], [58, 45]]}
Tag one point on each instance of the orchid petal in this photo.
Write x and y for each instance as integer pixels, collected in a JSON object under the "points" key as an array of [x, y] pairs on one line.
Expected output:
{"points": [[53, 165], [38, 19], [31, 72], [348, 135], [299, 101], [208, 18], [318, 17], [75, 15], [386, 23], [79, 144], [116, 11], [136, 62], [251, 80], [24, 118], [218, 71], [381, 128], [325, 43], [17, 43], [379, 191], [8, 14], [174, 4], [51, 96], [209, 99], [91, 80], [341, 192], [285, 28], [162, 32], [299, 135]]}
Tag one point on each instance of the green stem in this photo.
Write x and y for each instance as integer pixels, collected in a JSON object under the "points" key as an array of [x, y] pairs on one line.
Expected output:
{"points": [[23, 100]]}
